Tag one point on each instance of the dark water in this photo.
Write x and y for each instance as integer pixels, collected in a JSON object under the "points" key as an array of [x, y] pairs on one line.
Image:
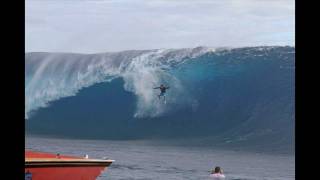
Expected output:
{"points": [[233, 108], [153, 160], [244, 95]]}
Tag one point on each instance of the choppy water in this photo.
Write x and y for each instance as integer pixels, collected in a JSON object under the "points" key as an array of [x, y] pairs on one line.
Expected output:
{"points": [[151, 160]]}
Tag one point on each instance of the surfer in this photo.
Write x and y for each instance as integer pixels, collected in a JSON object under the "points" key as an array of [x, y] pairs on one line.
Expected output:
{"points": [[162, 91], [217, 174]]}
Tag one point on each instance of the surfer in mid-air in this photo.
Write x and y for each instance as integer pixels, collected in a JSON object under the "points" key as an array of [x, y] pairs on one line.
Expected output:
{"points": [[162, 91]]}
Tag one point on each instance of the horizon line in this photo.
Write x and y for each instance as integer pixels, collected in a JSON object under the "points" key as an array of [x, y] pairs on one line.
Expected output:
{"points": [[215, 48]]}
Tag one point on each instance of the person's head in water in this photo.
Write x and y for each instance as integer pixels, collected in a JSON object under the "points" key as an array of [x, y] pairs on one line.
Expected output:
{"points": [[217, 173], [217, 169], [161, 85]]}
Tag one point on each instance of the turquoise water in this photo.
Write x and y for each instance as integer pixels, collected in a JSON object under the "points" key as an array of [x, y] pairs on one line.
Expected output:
{"points": [[241, 95], [146, 159]]}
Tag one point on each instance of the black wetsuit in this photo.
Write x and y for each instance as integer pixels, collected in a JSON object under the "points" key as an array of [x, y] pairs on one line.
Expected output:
{"points": [[162, 89]]}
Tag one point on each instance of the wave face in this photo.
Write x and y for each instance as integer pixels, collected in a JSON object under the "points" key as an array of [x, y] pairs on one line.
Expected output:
{"points": [[236, 94]]}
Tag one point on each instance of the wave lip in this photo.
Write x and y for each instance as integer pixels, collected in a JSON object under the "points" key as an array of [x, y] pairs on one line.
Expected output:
{"points": [[52, 76], [235, 97]]}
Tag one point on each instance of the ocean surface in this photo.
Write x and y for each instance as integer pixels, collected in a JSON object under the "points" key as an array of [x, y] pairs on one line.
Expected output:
{"points": [[228, 107], [241, 95], [145, 159]]}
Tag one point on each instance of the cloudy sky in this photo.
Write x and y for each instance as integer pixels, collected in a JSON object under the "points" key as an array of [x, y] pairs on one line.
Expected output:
{"points": [[90, 26]]}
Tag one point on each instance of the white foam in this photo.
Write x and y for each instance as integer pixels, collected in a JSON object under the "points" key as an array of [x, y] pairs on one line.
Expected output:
{"points": [[62, 75]]}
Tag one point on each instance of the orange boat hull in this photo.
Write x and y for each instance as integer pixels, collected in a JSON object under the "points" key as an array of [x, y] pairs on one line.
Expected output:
{"points": [[46, 166]]}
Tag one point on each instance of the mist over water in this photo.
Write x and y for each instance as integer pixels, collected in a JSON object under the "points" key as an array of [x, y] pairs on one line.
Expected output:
{"points": [[243, 96], [51, 76]]}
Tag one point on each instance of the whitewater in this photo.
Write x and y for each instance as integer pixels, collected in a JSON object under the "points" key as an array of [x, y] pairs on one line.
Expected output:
{"points": [[51, 76], [228, 107], [241, 97]]}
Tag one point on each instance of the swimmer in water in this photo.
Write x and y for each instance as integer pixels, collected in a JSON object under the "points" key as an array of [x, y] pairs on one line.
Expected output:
{"points": [[217, 174]]}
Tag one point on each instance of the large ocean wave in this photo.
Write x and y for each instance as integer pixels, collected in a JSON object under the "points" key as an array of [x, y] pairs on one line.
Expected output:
{"points": [[237, 94], [51, 76]]}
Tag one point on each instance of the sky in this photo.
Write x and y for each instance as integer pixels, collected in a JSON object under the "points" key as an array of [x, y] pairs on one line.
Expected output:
{"points": [[93, 26]]}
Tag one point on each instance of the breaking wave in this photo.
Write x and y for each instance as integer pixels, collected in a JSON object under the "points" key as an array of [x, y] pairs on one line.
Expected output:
{"points": [[234, 95]]}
